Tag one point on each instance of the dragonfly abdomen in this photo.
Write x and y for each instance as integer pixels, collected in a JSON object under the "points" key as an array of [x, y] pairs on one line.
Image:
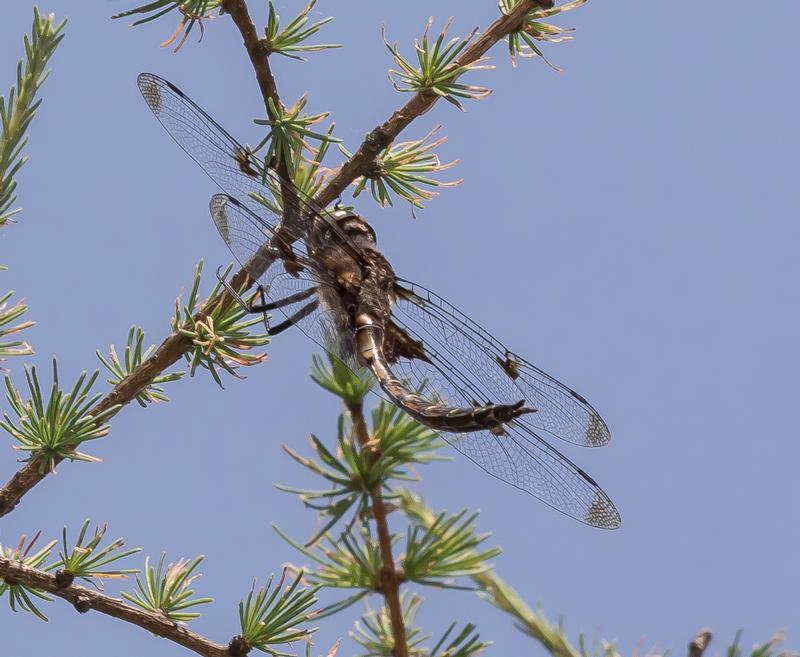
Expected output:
{"points": [[437, 415]]}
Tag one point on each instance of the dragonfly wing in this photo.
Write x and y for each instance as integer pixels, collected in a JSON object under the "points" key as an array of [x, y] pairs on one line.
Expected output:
{"points": [[223, 158], [522, 459], [499, 375], [248, 236]]}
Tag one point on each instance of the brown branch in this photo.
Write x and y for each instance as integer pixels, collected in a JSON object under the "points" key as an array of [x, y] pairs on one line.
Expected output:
{"points": [[175, 345], [421, 102], [389, 577], [698, 645], [14, 571], [259, 58], [125, 391]]}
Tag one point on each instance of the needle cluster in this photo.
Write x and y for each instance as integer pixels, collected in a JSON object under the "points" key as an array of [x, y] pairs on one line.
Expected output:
{"points": [[21, 595], [132, 358], [353, 547], [192, 13], [376, 540], [222, 339], [437, 70], [19, 107], [523, 41], [403, 169], [50, 430], [9, 315], [166, 591], [289, 40]]}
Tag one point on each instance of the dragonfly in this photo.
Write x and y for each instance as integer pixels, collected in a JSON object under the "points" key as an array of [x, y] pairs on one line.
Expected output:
{"points": [[320, 270]]}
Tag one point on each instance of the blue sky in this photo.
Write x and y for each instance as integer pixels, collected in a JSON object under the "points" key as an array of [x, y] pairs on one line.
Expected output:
{"points": [[630, 225]]}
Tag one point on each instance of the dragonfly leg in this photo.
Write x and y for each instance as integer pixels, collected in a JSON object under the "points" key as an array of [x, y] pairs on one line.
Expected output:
{"points": [[280, 303], [263, 306], [234, 294], [305, 311]]}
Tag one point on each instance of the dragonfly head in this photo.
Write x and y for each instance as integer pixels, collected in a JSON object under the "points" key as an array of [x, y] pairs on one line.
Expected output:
{"points": [[355, 227]]}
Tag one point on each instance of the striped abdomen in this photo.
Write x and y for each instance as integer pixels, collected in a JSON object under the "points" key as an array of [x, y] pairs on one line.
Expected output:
{"points": [[436, 415]]}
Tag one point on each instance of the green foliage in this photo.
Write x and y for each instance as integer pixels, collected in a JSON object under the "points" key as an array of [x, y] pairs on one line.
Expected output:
{"points": [[350, 478], [271, 617], [167, 592], [374, 633], [192, 13], [465, 643], [437, 70], [87, 562], [493, 589], [133, 357], [289, 40], [52, 431], [401, 168], [768, 649], [18, 110], [353, 473], [222, 339], [305, 167], [445, 550], [7, 317], [289, 129], [350, 561], [400, 442], [337, 378], [20, 595], [353, 559], [522, 42]]}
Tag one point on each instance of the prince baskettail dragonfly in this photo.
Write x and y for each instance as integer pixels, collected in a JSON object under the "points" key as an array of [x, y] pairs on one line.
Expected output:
{"points": [[322, 272]]}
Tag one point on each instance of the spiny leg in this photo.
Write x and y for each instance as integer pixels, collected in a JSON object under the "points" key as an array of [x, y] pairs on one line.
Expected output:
{"points": [[264, 306], [304, 312]]}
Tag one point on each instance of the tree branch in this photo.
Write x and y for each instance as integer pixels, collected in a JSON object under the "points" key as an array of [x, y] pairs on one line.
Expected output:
{"points": [[259, 58], [389, 577], [175, 345], [421, 102], [83, 599], [498, 592]]}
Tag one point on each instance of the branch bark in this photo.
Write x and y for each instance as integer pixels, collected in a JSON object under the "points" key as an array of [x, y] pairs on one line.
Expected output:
{"points": [[259, 58], [421, 102], [173, 347], [389, 577], [83, 599]]}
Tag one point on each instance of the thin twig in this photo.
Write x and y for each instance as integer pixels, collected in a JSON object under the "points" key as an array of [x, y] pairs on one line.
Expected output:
{"points": [[498, 592], [698, 645], [173, 347], [389, 577], [421, 102], [15, 572], [259, 57]]}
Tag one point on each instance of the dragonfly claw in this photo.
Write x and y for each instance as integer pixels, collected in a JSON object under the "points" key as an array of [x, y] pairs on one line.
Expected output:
{"points": [[229, 289]]}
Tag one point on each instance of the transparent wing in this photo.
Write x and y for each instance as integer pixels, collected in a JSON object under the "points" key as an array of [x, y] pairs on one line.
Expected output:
{"points": [[499, 375], [238, 173], [308, 287], [457, 374], [522, 459], [225, 161]]}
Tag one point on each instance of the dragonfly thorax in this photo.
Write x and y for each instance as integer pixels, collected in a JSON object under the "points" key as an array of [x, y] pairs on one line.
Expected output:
{"points": [[356, 228]]}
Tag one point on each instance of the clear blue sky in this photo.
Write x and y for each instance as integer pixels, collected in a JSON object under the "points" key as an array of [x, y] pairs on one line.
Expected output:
{"points": [[631, 225]]}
